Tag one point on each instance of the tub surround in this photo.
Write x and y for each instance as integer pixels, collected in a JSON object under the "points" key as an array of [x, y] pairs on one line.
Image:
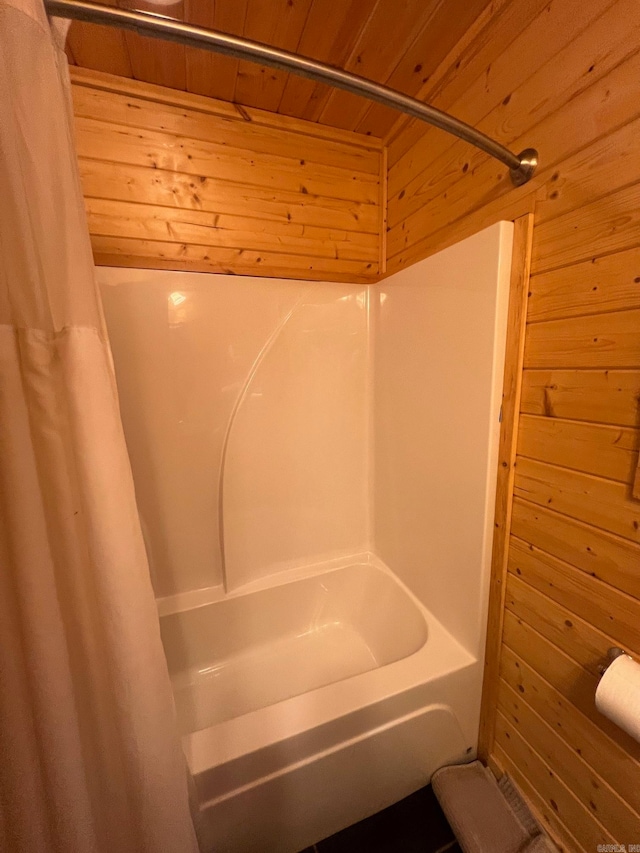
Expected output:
{"points": [[315, 467], [439, 349], [207, 366]]}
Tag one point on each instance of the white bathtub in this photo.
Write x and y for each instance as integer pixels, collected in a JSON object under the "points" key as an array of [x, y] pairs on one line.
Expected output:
{"points": [[311, 703]]}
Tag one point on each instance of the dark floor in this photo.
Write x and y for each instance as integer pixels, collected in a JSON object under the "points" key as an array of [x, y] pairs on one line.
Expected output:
{"points": [[414, 825]]}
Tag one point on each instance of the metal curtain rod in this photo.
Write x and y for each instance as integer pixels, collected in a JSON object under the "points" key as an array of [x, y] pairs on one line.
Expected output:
{"points": [[521, 166]]}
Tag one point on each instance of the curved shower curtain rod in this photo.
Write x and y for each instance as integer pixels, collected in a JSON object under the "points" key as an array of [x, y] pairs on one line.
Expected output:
{"points": [[521, 166]]}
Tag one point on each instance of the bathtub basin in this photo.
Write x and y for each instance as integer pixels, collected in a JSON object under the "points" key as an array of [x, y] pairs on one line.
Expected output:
{"points": [[313, 702], [250, 651]]}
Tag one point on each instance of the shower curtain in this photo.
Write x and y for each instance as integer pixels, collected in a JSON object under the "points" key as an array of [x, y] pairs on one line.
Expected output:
{"points": [[90, 759]]}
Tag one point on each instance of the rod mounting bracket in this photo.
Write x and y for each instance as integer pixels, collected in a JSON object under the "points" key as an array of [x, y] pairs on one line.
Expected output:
{"points": [[528, 164]]}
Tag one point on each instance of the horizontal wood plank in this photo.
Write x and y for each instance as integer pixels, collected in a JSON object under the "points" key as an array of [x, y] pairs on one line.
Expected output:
{"points": [[606, 451], [602, 801], [417, 209], [166, 188], [603, 503], [124, 251], [609, 283], [588, 830], [173, 180], [605, 756], [558, 606], [568, 89], [109, 82], [199, 228], [568, 677], [524, 82], [605, 396], [607, 225], [224, 131], [597, 340], [610, 558], [113, 143], [607, 165], [483, 190], [543, 811]]}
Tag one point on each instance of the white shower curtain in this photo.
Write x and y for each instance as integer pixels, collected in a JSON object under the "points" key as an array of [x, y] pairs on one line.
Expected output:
{"points": [[90, 759]]}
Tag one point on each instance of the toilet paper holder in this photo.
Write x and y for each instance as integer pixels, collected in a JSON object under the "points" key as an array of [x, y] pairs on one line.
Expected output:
{"points": [[613, 653]]}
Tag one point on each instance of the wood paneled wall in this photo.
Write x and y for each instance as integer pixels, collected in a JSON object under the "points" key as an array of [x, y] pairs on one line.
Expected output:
{"points": [[179, 181], [563, 76]]}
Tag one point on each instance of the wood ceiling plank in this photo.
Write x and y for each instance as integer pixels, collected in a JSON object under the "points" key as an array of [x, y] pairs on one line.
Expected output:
{"points": [[280, 24], [458, 69], [551, 62], [449, 21], [154, 60], [376, 38], [322, 94], [100, 48], [329, 34], [209, 73], [376, 55]]}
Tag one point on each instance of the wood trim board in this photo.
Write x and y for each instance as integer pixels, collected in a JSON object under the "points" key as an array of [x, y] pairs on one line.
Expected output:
{"points": [[512, 387]]}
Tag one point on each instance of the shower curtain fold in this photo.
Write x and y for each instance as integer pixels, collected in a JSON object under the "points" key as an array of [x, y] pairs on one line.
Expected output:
{"points": [[90, 757]]}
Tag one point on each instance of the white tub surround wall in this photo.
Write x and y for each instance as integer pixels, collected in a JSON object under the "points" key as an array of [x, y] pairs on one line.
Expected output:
{"points": [[439, 329], [263, 376], [295, 479], [286, 438]]}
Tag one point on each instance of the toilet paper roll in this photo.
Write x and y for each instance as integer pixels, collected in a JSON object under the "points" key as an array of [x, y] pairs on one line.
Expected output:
{"points": [[618, 695]]}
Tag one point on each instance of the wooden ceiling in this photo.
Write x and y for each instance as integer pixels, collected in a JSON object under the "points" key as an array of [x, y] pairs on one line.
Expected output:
{"points": [[397, 42]]}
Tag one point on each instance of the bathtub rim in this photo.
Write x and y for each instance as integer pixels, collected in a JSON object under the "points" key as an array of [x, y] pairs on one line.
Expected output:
{"points": [[193, 599]]}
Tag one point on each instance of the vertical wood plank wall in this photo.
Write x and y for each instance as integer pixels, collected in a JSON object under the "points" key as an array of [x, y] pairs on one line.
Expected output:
{"points": [[179, 181], [563, 76]]}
